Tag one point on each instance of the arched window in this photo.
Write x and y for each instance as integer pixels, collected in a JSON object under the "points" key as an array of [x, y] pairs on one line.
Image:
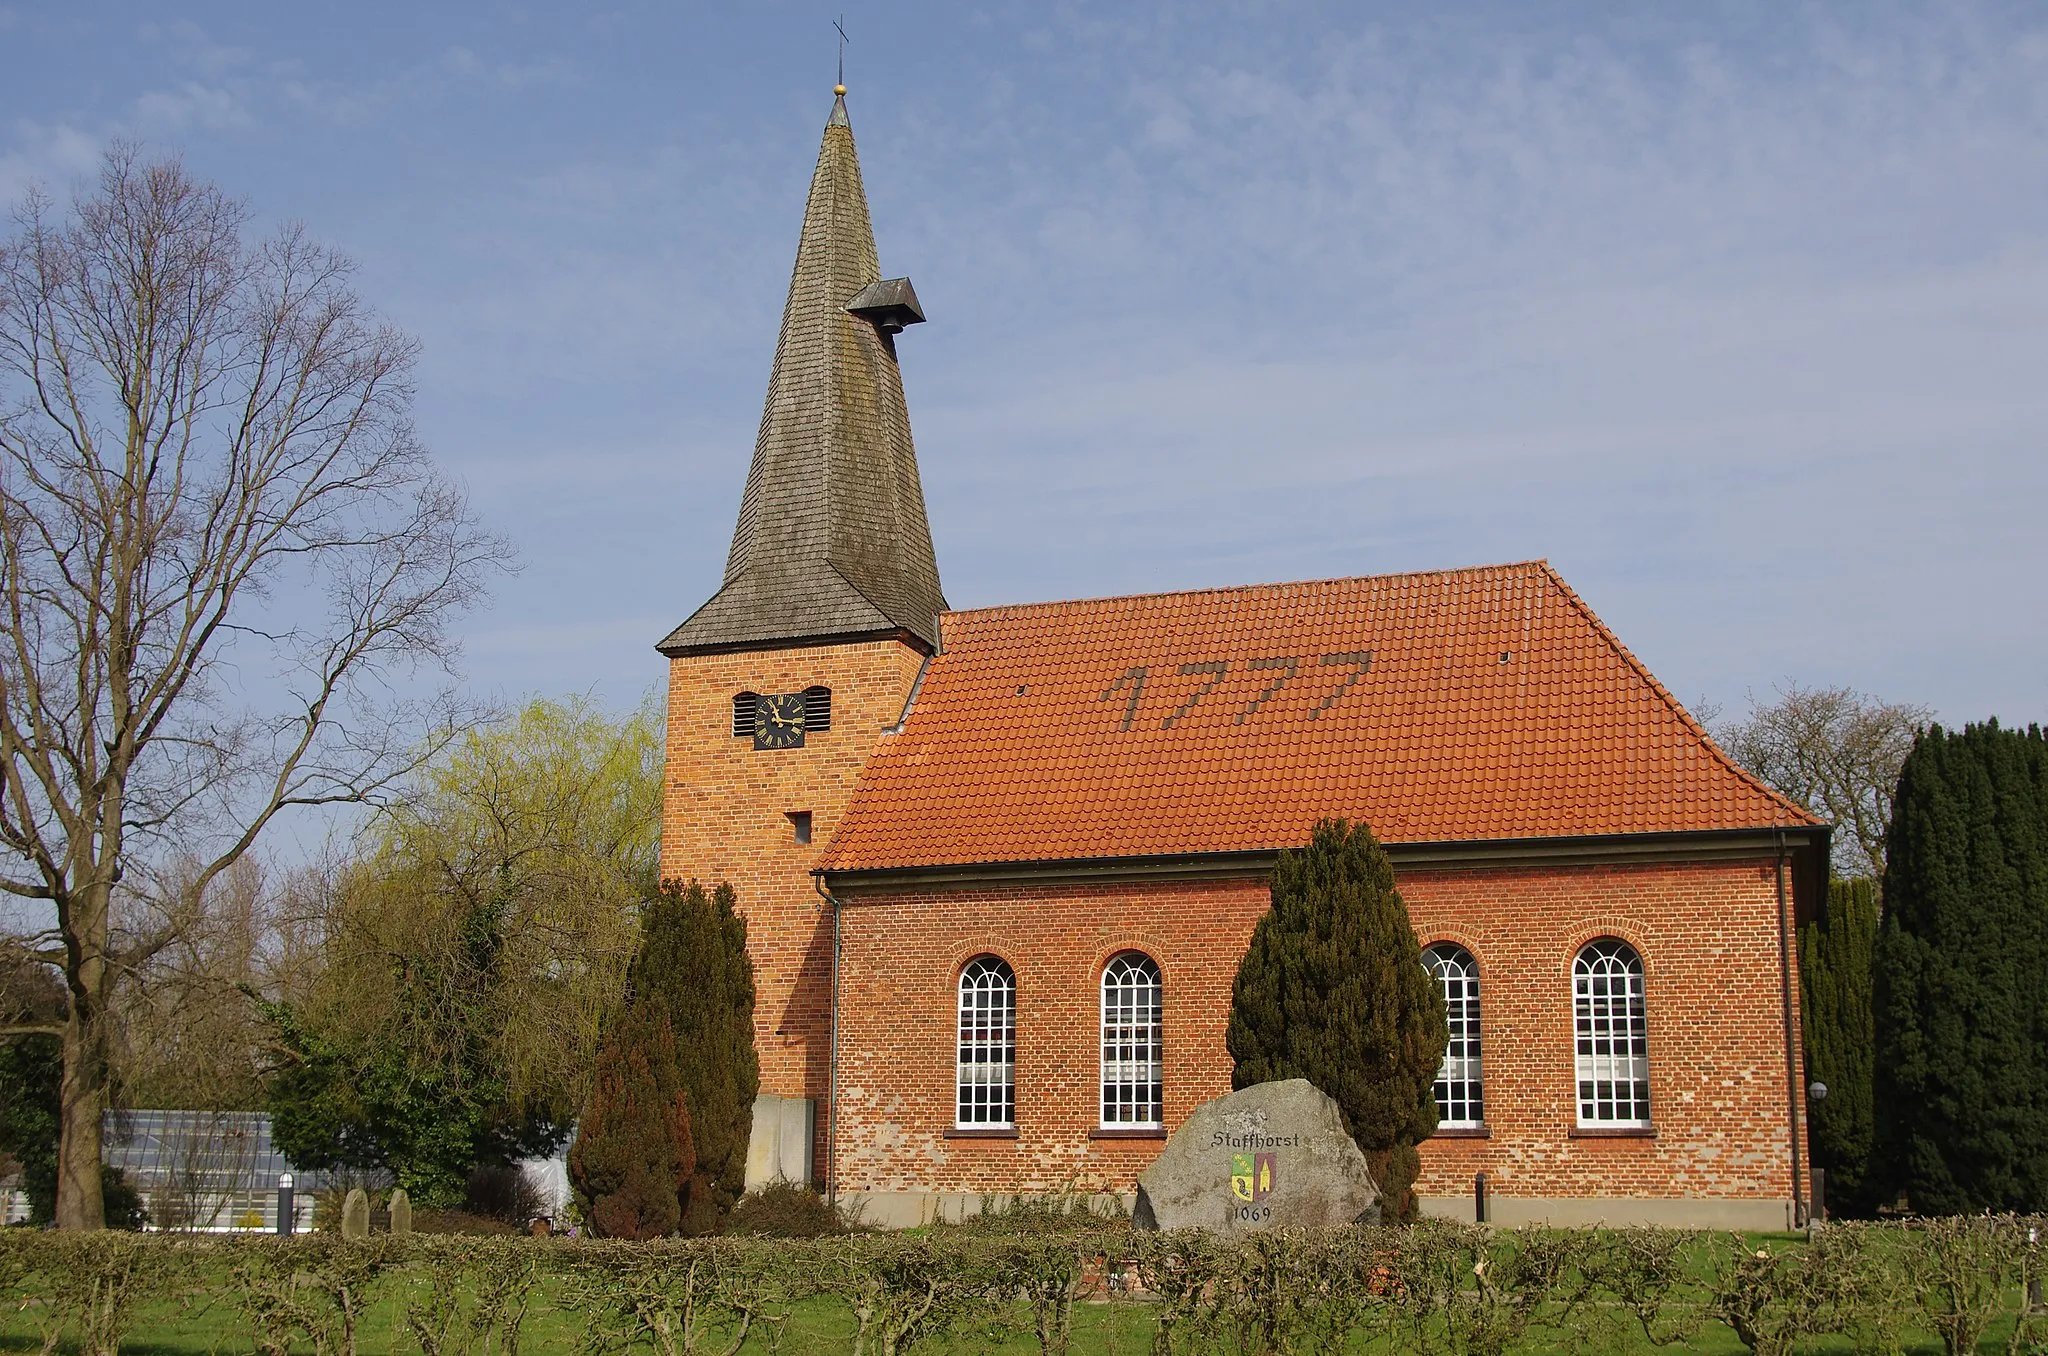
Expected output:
{"points": [[817, 710], [744, 707], [1459, 1104], [1613, 1035], [986, 1073], [1133, 1043]]}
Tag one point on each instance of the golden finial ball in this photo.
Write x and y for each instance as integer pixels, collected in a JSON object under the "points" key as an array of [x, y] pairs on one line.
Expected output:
{"points": [[839, 89]]}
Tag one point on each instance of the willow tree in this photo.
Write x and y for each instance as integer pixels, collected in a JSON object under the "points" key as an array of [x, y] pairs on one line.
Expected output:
{"points": [[472, 952], [224, 550]]}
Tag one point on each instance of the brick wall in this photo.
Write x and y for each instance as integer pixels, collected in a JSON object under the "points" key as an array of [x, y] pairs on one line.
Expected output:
{"points": [[1707, 933], [725, 818]]}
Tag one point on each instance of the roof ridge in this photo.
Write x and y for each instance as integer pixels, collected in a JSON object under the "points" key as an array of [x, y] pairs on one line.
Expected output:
{"points": [[1677, 707], [1539, 563]]}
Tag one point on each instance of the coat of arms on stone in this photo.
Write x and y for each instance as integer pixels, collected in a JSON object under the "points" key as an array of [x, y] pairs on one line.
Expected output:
{"points": [[1267, 1157], [1251, 1175]]}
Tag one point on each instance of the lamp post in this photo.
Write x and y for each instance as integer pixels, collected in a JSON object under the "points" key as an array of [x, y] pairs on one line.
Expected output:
{"points": [[284, 1202]]}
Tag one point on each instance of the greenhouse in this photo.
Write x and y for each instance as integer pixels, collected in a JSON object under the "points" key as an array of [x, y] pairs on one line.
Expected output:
{"points": [[211, 1171]]}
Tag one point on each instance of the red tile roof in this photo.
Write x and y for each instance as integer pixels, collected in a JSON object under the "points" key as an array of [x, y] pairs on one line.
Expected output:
{"points": [[1452, 706]]}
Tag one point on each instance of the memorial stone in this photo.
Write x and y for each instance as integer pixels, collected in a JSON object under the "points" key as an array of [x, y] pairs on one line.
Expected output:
{"points": [[1271, 1156], [355, 1215], [401, 1212]]}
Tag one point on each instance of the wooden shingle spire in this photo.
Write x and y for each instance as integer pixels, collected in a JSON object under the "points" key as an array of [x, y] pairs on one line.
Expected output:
{"points": [[832, 541]]}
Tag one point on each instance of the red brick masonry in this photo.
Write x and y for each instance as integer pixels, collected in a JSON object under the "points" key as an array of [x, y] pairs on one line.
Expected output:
{"points": [[1707, 932], [726, 819]]}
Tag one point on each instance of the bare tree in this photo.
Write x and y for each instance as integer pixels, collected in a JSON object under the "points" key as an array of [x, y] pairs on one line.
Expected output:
{"points": [[227, 557], [1836, 751], [186, 1036]]}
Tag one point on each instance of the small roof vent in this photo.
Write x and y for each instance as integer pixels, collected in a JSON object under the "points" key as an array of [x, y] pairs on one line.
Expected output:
{"points": [[889, 305]]}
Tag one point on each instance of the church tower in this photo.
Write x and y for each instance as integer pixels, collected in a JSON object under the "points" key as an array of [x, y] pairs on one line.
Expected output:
{"points": [[781, 686]]}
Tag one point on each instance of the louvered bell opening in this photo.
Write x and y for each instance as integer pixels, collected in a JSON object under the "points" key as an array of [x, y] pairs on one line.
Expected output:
{"points": [[745, 707], [817, 709]]}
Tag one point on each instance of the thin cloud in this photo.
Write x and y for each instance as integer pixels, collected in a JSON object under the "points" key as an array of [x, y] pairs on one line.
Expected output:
{"points": [[47, 156], [1736, 312]]}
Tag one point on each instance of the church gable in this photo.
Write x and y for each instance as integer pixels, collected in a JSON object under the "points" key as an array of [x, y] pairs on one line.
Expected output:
{"points": [[1452, 706]]}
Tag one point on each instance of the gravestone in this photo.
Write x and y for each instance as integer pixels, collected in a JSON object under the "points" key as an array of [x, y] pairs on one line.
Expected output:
{"points": [[401, 1212], [355, 1215], [1272, 1156]]}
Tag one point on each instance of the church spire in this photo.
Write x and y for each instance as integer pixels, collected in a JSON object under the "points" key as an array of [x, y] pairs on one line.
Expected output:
{"points": [[832, 540]]}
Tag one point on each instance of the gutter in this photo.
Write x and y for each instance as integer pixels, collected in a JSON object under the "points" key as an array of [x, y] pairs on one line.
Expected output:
{"points": [[1582, 849]]}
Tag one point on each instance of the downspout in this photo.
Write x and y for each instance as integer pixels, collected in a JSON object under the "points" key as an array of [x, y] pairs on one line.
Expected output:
{"points": [[832, 1061], [1791, 1062]]}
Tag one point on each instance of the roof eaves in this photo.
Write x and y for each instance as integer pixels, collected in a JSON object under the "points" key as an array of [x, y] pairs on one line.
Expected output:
{"points": [[929, 632], [1667, 844]]}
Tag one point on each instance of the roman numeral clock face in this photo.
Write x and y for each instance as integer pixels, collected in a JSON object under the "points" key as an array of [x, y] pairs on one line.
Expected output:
{"points": [[779, 721]]}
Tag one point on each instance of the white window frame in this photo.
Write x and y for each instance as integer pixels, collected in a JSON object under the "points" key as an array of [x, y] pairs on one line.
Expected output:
{"points": [[1611, 1028], [1133, 1044], [985, 1052], [1460, 1082]]}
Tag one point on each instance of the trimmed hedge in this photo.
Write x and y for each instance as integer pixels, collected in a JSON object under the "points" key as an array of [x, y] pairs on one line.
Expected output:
{"points": [[1431, 1287]]}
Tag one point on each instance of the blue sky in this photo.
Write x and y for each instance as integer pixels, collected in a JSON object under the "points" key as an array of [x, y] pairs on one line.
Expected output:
{"points": [[1737, 313]]}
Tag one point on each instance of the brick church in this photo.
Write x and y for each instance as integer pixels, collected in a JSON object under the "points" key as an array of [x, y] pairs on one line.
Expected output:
{"points": [[999, 866]]}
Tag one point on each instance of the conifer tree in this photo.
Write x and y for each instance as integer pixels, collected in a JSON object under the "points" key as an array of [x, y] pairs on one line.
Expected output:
{"points": [[1961, 988], [1332, 989], [633, 1157], [1835, 955], [693, 967]]}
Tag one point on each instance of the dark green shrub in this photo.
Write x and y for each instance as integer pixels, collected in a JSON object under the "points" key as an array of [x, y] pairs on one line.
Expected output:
{"points": [[462, 1223], [1961, 992], [1044, 1213], [1835, 958], [633, 1156], [693, 966], [31, 1098], [1332, 989], [786, 1210]]}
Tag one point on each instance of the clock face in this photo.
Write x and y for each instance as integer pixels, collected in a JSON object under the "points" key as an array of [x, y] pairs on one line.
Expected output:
{"points": [[779, 722]]}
